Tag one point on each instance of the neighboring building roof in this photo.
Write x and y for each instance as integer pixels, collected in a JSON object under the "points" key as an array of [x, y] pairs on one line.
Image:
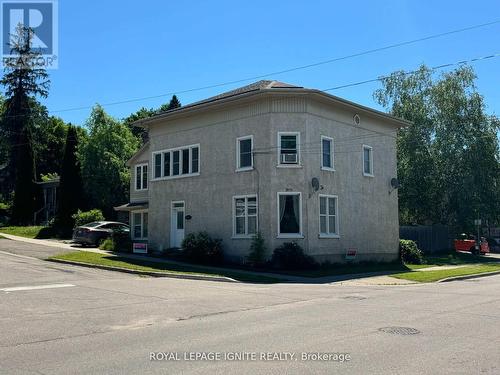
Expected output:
{"points": [[265, 86], [51, 182], [137, 154], [132, 206]]}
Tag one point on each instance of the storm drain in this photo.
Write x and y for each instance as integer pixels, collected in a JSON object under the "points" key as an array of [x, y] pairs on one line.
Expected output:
{"points": [[400, 330]]}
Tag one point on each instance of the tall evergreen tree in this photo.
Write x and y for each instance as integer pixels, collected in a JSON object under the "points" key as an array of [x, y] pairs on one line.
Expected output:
{"points": [[70, 192], [25, 188], [23, 81], [174, 103]]}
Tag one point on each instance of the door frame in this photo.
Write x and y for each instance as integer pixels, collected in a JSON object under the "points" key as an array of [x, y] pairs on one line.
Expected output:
{"points": [[172, 208]]}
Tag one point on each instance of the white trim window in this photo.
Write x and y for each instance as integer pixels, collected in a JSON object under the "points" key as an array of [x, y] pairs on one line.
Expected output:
{"points": [[367, 161], [244, 153], [327, 153], [176, 162], [139, 225], [245, 216], [290, 215], [288, 149], [141, 177], [328, 216]]}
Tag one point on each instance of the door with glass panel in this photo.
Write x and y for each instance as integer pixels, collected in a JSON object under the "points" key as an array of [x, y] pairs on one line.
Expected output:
{"points": [[177, 224]]}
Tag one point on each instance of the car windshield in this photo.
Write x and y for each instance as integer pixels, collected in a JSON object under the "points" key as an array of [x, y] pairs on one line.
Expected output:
{"points": [[92, 225]]}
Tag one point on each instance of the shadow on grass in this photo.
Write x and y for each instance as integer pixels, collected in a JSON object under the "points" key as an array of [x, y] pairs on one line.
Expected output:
{"points": [[457, 258], [266, 275]]}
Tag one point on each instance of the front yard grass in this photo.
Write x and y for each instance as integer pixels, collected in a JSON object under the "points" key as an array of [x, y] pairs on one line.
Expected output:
{"points": [[28, 232], [453, 257], [348, 268], [163, 267], [472, 264], [431, 276]]}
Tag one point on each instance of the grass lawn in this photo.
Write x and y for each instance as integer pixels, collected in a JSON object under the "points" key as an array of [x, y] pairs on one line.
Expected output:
{"points": [[354, 268], [430, 276], [167, 268], [474, 264], [456, 258], [29, 232]]}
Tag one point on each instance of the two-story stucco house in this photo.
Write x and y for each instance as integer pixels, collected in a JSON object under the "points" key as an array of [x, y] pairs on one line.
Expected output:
{"points": [[295, 164]]}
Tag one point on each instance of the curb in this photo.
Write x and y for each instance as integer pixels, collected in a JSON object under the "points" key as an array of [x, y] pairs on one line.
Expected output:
{"points": [[466, 277], [146, 273]]}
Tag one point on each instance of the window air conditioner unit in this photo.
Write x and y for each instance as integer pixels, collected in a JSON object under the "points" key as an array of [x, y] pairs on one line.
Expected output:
{"points": [[289, 158]]}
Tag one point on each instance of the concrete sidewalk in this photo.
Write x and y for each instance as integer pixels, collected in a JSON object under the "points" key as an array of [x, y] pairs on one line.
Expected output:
{"points": [[373, 278]]}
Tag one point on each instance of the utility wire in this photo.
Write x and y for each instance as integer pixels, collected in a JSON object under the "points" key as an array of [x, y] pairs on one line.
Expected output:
{"points": [[381, 78], [329, 61]]}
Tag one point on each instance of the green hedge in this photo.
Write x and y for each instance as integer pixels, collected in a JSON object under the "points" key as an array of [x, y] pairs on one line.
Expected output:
{"points": [[409, 252]]}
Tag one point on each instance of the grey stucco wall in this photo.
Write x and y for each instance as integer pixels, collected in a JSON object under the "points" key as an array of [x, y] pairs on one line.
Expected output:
{"points": [[368, 214], [141, 158]]}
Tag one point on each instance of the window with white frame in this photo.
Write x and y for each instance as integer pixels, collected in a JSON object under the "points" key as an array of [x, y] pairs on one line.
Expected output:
{"points": [[328, 216], [367, 160], [245, 222], [244, 157], [289, 215], [140, 225], [177, 162], [141, 177], [327, 153], [288, 148]]}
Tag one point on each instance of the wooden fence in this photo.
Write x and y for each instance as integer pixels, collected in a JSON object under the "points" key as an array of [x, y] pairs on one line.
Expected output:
{"points": [[429, 238]]}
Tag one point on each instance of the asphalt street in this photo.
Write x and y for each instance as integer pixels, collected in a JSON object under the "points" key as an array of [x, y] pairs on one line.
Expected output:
{"points": [[61, 319]]}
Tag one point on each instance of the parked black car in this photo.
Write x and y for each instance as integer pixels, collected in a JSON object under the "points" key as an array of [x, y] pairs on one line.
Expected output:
{"points": [[96, 232]]}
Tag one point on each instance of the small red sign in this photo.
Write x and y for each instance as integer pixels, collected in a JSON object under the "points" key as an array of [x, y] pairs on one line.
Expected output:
{"points": [[350, 254], [140, 248]]}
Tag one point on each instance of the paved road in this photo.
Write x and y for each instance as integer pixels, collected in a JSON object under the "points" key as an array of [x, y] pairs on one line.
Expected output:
{"points": [[110, 322]]}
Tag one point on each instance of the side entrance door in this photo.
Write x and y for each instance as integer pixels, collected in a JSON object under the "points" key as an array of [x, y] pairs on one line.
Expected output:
{"points": [[177, 224]]}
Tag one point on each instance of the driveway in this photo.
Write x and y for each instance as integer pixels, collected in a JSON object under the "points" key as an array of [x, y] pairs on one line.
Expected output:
{"points": [[58, 319]]}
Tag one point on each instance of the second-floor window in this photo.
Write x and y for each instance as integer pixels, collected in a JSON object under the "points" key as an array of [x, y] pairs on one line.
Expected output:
{"points": [[327, 153], [367, 161], [178, 162], [141, 177], [244, 158], [288, 147]]}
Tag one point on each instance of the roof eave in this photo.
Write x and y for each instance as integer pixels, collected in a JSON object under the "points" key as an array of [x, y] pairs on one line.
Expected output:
{"points": [[191, 109]]}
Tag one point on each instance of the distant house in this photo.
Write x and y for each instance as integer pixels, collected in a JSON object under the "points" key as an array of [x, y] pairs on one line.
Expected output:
{"points": [[49, 201], [295, 164]]}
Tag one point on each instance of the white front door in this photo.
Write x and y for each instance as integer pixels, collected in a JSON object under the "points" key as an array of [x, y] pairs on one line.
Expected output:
{"points": [[177, 224]]}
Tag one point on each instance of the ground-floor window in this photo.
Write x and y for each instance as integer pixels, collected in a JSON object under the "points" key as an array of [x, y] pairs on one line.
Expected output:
{"points": [[140, 225], [290, 214], [245, 215], [328, 216]]}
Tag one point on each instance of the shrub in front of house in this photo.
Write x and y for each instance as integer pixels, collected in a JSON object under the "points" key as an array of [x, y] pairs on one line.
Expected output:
{"points": [[290, 256], [119, 241], [409, 252], [257, 254], [201, 248], [108, 244], [85, 217]]}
